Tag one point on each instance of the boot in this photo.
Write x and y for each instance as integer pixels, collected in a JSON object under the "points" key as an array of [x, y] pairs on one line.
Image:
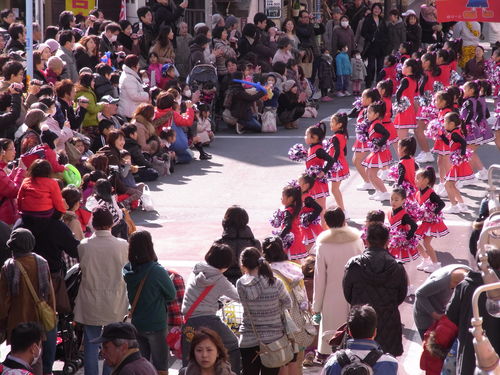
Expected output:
{"points": [[203, 155], [470, 14], [488, 13]]}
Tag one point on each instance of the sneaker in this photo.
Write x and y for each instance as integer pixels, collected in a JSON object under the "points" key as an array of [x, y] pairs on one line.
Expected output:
{"points": [[424, 157], [482, 175], [424, 263], [347, 93], [365, 186], [374, 197], [326, 99], [432, 267], [383, 196], [460, 184], [205, 156], [453, 209], [472, 182], [463, 208], [340, 94], [239, 128]]}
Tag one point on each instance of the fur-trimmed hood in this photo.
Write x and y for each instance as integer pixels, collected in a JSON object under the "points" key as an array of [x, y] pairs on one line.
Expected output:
{"points": [[341, 235]]}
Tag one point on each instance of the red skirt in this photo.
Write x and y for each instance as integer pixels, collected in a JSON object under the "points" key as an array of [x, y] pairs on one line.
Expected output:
{"points": [[406, 119], [441, 148], [378, 159], [404, 253], [359, 146], [297, 250], [461, 172], [320, 190], [310, 233], [393, 133], [435, 230], [341, 175]]}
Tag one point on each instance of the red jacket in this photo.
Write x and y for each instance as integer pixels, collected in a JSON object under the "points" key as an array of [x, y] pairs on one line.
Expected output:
{"points": [[180, 119], [444, 332], [42, 151], [9, 187], [40, 194]]}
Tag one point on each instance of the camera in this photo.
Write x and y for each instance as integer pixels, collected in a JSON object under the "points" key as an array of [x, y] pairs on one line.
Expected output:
{"points": [[114, 169]]}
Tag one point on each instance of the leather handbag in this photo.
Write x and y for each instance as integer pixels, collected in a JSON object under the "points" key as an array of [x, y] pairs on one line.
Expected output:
{"points": [[46, 314]]}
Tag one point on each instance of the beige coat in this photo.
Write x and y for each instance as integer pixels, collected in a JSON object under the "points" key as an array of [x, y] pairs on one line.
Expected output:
{"points": [[334, 247], [102, 297]]}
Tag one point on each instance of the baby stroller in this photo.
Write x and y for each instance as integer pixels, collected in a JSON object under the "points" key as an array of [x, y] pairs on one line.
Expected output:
{"points": [[200, 77], [69, 334]]}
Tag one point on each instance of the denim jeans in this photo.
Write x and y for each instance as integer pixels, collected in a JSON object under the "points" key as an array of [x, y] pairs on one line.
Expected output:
{"points": [[49, 351], [153, 346], [91, 351], [251, 124], [228, 338], [342, 82]]}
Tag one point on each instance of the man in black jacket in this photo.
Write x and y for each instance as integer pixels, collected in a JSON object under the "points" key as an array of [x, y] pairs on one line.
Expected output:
{"points": [[17, 40], [10, 108], [306, 32], [376, 278], [102, 83]]}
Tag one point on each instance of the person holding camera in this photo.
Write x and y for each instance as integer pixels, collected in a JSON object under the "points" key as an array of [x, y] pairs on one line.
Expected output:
{"points": [[128, 40], [10, 107]]}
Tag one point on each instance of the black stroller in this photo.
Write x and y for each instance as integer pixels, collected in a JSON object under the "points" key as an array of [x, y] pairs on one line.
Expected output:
{"points": [[200, 76], [70, 334]]}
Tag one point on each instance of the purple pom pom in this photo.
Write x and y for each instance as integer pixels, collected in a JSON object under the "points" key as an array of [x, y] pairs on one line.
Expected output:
{"points": [[437, 86], [277, 219], [288, 241], [402, 105], [456, 157], [434, 129], [297, 153], [305, 221], [357, 103], [362, 131], [314, 171], [398, 240], [428, 215]]}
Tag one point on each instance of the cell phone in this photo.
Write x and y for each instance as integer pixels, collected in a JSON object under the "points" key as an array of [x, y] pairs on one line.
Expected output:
{"points": [[36, 82]]}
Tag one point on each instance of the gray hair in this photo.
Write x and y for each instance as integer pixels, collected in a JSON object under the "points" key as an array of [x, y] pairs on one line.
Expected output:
{"points": [[132, 343]]}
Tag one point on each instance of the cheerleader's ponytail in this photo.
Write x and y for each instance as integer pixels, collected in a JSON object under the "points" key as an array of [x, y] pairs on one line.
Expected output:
{"points": [[429, 173], [318, 130]]}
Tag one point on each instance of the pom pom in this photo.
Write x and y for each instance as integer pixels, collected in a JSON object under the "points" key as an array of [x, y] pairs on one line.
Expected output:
{"points": [[357, 103], [402, 105], [294, 183], [393, 173], [429, 112], [362, 131], [336, 167], [456, 157], [305, 220], [454, 77], [426, 99], [288, 241], [398, 240], [437, 86], [314, 171], [427, 213], [434, 129], [277, 219], [413, 209], [297, 153]]}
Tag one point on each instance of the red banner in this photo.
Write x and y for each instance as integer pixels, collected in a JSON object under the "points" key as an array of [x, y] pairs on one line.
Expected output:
{"points": [[468, 10]]}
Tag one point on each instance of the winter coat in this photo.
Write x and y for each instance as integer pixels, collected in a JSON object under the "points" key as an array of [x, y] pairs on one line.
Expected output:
{"points": [[111, 153], [444, 333], [133, 147], [414, 35], [196, 56], [203, 129], [343, 64], [287, 101], [334, 247], [376, 38], [134, 364], [342, 36], [70, 71], [307, 36], [75, 118], [151, 311], [263, 303], [238, 240], [459, 311], [40, 194], [129, 47], [326, 72], [397, 34], [148, 36], [70, 218], [167, 15], [93, 108], [145, 130], [204, 275], [131, 92], [84, 60], [64, 134], [9, 187], [101, 298], [376, 278], [221, 368], [182, 54], [474, 69], [241, 101], [282, 56], [228, 53], [165, 54], [14, 45], [8, 120], [358, 69], [103, 86], [355, 14]]}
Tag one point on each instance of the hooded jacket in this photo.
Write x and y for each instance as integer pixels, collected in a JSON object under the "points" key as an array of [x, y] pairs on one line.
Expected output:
{"points": [[102, 87], [151, 311], [131, 92], [204, 275], [376, 278]]}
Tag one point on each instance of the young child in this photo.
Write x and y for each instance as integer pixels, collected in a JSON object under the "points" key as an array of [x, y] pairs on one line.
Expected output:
{"points": [[444, 103], [407, 166], [326, 74], [443, 62], [154, 71], [471, 115], [39, 195], [372, 217], [358, 72], [203, 125], [380, 155], [127, 176], [72, 196], [310, 215], [407, 119], [483, 115], [343, 70], [390, 71], [361, 147], [291, 198], [337, 148], [402, 244], [460, 168], [404, 52], [385, 88], [315, 163], [432, 225], [270, 104]]}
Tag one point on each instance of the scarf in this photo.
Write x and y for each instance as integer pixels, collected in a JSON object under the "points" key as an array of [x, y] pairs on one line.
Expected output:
{"points": [[13, 274], [221, 368]]}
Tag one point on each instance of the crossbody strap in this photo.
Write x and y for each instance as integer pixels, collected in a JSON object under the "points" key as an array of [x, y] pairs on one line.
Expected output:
{"points": [[200, 298], [138, 293], [28, 282]]}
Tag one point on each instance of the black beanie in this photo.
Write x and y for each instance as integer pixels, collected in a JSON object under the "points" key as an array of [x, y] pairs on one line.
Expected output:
{"points": [[49, 137]]}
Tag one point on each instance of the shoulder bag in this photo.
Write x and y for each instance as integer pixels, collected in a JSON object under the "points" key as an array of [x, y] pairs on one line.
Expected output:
{"points": [[128, 317], [46, 314]]}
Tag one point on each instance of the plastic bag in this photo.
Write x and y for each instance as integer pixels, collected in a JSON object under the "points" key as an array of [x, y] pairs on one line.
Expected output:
{"points": [[269, 121], [147, 200]]}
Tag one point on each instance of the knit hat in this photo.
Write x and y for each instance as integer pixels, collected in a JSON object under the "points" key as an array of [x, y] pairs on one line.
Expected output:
{"points": [[288, 85], [198, 25], [53, 45], [230, 21], [21, 241], [49, 137], [34, 116], [40, 47], [216, 18], [409, 12]]}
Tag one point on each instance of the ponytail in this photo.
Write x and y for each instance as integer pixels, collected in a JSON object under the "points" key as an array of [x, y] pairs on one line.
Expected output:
{"points": [[296, 194], [308, 179], [341, 118], [318, 130], [428, 173], [455, 118], [252, 259]]}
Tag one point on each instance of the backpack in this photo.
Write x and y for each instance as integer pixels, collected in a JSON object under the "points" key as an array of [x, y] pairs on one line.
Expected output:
{"points": [[351, 364]]}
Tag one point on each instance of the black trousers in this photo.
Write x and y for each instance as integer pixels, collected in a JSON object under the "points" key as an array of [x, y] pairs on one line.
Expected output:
{"points": [[375, 65], [251, 363]]}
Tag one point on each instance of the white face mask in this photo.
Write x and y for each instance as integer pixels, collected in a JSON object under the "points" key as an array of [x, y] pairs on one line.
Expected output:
{"points": [[344, 24], [358, 56], [37, 357], [113, 38], [187, 93], [145, 81]]}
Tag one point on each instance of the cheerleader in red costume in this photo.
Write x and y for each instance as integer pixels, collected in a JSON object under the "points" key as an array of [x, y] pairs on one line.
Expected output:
{"points": [[290, 232], [407, 119], [426, 111], [402, 244], [310, 215], [432, 225], [361, 147], [337, 148], [390, 70], [407, 166], [385, 89], [460, 168], [443, 60], [380, 156], [315, 162]]}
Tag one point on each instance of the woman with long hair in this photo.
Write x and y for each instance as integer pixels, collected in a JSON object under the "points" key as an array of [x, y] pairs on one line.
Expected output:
{"points": [[87, 52], [163, 46], [146, 134]]}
